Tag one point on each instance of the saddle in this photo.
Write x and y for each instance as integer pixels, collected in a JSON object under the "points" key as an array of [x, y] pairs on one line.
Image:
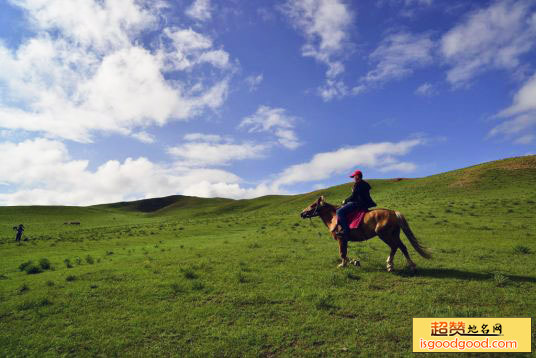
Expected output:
{"points": [[354, 219]]}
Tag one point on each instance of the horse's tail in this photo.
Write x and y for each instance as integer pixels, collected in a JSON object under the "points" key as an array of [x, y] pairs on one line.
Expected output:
{"points": [[423, 251]]}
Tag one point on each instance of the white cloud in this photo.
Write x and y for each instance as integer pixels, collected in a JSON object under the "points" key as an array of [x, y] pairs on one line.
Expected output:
{"points": [[101, 25], [275, 121], [426, 90], [326, 27], [381, 156], [200, 10], [516, 126], [491, 38], [188, 49], [524, 99], [85, 71], [334, 89], [144, 137], [211, 138], [254, 82], [521, 115], [45, 174], [208, 150], [398, 55]]}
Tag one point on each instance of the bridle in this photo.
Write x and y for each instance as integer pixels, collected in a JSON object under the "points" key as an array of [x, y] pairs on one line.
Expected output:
{"points": [[315, 213]]}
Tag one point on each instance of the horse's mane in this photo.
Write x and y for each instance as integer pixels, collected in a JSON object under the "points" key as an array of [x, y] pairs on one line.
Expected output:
{"points": [[334, 207]]}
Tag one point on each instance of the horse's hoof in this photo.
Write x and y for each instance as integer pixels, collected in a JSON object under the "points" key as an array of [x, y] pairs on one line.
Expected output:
{"points": [[341, 265], [356, 263], [390, 269]]}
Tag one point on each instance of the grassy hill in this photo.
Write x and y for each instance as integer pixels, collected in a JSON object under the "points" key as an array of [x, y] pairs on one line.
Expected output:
{"points": [[183, 276]]}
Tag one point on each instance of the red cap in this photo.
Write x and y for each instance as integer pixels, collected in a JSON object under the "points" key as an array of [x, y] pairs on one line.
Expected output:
{"points": [[357, 172]]}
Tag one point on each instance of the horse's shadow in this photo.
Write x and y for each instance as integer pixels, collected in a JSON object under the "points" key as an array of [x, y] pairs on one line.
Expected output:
{"points": [[460, 275]]}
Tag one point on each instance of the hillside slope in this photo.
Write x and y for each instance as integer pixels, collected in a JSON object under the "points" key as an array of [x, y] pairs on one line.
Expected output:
{"points": [[192, 277], [491, 184]]}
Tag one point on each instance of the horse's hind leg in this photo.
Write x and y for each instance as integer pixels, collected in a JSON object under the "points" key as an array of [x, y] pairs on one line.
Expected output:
{"points": [[404, 250], [390, 259]]}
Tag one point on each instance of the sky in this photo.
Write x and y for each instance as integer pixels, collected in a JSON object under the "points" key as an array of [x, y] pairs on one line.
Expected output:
{"points": [[114, 100]]}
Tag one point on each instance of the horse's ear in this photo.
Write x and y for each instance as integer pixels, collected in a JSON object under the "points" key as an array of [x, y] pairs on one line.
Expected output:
{"points": [[321, 199]]}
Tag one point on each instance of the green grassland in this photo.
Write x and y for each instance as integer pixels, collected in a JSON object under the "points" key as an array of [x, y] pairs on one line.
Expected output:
{"points": [[182, 276]]}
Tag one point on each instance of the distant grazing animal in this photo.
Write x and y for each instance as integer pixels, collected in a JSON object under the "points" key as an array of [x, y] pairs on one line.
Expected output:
{"points": [[382, 222], [75, 222]]}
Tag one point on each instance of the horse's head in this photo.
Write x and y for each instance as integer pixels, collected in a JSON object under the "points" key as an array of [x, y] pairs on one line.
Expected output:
{"points": [[313, 209]]}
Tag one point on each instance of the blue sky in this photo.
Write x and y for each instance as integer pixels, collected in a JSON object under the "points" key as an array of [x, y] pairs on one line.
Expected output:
{"points": [[111, 100]]}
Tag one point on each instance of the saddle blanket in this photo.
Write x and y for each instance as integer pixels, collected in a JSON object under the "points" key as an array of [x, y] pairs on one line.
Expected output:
{"points": [[355, 218]]}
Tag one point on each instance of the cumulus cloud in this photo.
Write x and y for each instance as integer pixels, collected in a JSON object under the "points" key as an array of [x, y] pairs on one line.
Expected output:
{"points": [[520, 117], [203, 150], [45, 174], [200, 10], [275, 121], [189, 48], [84, 70], [491, 38], [101, 25], [325, 25], [381, 156], [397, 56]]}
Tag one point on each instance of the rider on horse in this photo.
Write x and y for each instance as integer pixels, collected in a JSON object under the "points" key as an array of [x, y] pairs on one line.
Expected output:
{"points": [[359, 200]]}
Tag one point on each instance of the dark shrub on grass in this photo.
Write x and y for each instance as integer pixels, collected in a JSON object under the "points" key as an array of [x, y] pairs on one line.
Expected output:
{"points": [[189, 274], [33, 269], [70, 278], [520, 249], [44, 263], [89, 259], [22, 266], [23, 288], [241, 277], [68, 263], [50, 283]]}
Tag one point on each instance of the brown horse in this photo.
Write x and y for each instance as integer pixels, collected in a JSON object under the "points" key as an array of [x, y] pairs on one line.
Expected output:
{"points": [[382, 222]]}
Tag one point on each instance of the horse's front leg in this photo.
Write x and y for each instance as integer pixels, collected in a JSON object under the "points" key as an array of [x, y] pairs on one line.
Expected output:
{"points": [[343, 249]]}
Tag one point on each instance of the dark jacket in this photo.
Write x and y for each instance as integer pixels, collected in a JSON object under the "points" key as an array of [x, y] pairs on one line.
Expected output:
{"points": [[361, 195]]}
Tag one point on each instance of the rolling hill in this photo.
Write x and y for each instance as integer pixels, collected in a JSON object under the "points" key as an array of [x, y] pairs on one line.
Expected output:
{"points": [[184, 276]]}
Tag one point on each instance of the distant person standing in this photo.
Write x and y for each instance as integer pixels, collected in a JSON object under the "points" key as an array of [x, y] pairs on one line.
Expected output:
{"points": [[20, 230]]}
